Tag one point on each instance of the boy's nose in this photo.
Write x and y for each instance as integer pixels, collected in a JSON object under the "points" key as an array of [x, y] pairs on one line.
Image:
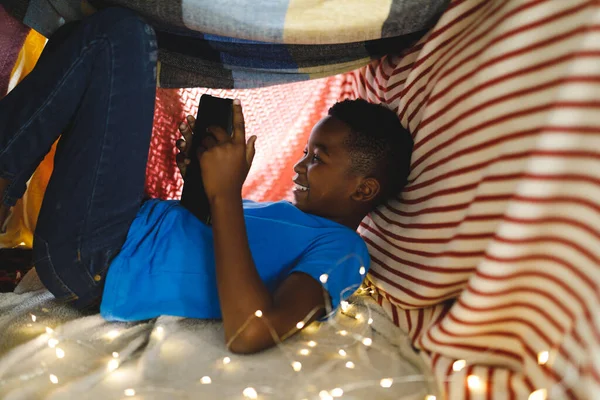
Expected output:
{"points": [[299, 167]]}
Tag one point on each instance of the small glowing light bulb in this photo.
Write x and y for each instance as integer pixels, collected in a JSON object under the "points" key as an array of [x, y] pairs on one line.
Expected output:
{"points": [[362, 270], [129, 392], [370, 321], [60, 353], [112, 334], [473, 382], [205, 380], [312, 343], [345, 305], [297, 366], [113, 364], [323, 278], [226, 360], [250, 393], [540, 394], [350, 365], [52, 343], [300, 325], [543, 357], [49, 330], [359, 317], [337, 392], [158, 333], [367, 341], [343, 333], [33, 317], [430, 397], [258, 313], [115, 354], [53, 378], [304, 352], [324, 395], [342, 352], [386, 382], [458, 365]]}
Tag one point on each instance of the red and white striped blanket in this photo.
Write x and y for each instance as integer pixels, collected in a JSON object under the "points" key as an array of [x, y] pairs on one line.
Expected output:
{"points": [[492, 254]]}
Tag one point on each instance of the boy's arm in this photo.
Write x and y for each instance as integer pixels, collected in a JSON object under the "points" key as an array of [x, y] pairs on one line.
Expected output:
{"points": [[242, 292]]}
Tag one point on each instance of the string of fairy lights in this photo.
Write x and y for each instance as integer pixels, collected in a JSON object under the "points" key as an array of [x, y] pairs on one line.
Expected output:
{"points": [[360, 335], [115, 360]]}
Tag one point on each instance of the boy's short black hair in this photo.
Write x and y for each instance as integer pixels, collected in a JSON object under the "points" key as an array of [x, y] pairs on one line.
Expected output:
{"points": [[378, 144]]}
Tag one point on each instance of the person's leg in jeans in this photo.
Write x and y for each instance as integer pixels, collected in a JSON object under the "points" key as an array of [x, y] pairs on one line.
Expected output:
{"points": [[97, 88], [55, 41]]}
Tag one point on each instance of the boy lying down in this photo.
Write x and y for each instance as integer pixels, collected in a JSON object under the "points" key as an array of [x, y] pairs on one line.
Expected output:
{"points": [[96, 241]]}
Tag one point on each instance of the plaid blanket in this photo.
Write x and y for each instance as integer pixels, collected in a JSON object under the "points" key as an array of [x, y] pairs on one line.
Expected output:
{"points": [[244, 43]]}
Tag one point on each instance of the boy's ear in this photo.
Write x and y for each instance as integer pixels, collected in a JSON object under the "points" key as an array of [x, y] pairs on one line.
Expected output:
{"points": [[367, 190]]}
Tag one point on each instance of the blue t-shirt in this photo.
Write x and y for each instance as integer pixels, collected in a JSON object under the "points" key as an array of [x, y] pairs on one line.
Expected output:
{"points": [[167, 264]]}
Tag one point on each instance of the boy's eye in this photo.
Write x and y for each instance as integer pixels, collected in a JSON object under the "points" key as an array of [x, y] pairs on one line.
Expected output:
{"points": [[315, 157]]}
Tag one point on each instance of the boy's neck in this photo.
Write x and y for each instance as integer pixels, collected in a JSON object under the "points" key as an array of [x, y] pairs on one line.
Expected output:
{"points": [[350, 221]]}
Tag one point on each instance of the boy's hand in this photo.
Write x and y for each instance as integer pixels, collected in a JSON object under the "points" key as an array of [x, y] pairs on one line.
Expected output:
{"points": [[225, 163], [212, 137], [186, 129]]}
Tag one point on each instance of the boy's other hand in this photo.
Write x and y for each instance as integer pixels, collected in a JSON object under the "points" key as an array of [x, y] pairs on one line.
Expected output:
{"points": [[225, 161], [186, 128], [213, 136]]}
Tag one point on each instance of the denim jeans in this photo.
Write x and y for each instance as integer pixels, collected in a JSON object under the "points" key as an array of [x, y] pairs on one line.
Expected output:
{"points": [[94, 86]]}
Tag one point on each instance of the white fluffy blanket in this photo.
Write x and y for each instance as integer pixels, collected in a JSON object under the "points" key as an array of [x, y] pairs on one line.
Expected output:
{"points": [[82, 356]]}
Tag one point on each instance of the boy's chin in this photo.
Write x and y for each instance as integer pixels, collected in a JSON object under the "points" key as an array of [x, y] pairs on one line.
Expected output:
{"points": [[299, 205]]}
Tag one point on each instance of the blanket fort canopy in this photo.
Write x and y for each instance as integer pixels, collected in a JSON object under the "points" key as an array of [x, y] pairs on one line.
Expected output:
{"points": [[244, 44]]}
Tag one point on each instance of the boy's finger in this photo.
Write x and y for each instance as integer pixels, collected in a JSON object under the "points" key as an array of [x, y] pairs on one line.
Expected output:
{"points": [[239, 129], [209, 141], [191, 121], [181, 158], [219, 133], [182, 163], [186, 130], [181, 144], [250, 150]]}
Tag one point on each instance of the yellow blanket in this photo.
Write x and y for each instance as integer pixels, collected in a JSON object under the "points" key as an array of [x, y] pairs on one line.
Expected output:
{"points": [[23, 216]]}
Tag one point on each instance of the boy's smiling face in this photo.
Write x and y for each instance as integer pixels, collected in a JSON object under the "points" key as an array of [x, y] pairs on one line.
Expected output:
{"points": [[325, 184]]}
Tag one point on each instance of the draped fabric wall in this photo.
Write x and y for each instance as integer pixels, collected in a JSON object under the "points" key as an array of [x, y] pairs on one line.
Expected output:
{"points": [[281, 116], [490, 258]]}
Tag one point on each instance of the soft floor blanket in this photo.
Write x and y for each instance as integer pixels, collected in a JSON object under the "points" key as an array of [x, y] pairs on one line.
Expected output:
{"points": [[51, 351]]}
